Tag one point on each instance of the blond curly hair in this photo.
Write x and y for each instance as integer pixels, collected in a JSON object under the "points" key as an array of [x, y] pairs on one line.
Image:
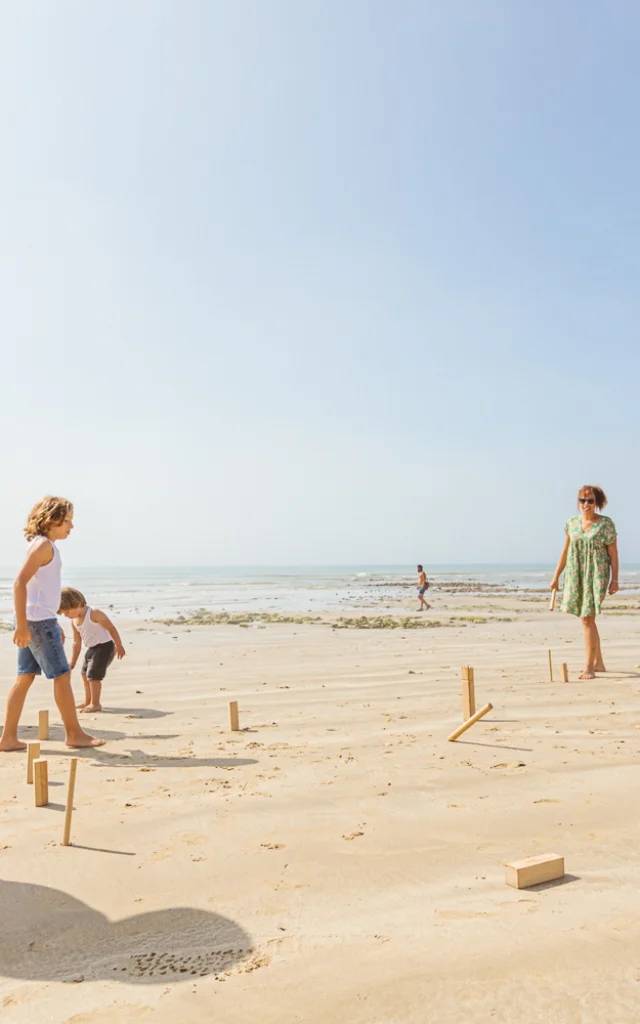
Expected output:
{"points": [[46, 513]]}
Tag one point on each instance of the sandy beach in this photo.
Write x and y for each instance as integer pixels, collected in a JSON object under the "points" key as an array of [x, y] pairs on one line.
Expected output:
{"points": [[337, 860]]}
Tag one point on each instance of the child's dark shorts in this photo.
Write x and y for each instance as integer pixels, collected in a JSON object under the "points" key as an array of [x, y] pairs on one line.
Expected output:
{"points": [[97, 660]]}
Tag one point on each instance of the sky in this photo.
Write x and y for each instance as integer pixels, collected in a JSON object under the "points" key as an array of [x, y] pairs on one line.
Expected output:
{"points": [[320, 282]]}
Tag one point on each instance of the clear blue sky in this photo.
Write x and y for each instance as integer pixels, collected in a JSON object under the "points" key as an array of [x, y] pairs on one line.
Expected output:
{"points": [[329, 281]]}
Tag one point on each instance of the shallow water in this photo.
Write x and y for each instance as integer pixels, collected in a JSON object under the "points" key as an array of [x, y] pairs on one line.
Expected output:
{"points": [[159, 591]]}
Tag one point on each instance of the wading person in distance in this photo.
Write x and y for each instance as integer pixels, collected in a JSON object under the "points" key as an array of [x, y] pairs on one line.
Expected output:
{"points": [[589, 561], [423, 586]]}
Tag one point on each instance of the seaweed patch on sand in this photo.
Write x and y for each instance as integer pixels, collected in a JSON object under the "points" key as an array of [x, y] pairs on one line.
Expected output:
{"points": [[206, 618]]}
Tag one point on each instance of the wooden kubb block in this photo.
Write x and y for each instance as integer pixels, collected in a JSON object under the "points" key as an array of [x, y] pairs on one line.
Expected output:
{"points": [[41, 781], [33, 753], [522, 874], [234, 719], [468, 692]]}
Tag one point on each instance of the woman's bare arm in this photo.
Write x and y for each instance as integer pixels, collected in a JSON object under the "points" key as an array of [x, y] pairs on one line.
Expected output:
{"points": [[562, 561], [612, 550]]}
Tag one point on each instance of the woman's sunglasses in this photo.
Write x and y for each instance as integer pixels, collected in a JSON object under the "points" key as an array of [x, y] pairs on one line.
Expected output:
{"points": [[587, 501]]}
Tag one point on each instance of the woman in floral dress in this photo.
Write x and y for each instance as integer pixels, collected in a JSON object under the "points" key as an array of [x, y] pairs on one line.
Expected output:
{"points": [[589, 561]]}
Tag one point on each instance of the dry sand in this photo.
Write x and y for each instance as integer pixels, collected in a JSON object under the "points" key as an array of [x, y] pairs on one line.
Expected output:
{"points": [[337, 860]]}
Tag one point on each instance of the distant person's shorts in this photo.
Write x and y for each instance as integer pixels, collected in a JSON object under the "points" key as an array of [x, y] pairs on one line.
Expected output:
{"points": [[422, 590], [45, 652], [97, 660]]}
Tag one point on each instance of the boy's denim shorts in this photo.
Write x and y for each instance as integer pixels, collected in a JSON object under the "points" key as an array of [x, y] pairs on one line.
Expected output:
{"points": [[45, 652]]}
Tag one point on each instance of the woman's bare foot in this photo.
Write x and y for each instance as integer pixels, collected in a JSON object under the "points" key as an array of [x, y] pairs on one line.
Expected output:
{"points": [[587, 674], [82, 705], [91, 707], [600, 667], [11, 744], [83, 739]]}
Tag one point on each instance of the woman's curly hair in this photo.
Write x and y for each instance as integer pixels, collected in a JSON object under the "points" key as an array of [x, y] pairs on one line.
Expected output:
{"points": [[598, 493], [46, 513]]}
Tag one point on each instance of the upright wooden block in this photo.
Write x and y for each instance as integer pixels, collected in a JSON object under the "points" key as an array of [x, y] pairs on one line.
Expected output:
{"points": [[533, 870], [234, 719], [33, 751], [41, 781], [43, 725], [550, 668], [565, 672], [468, 692], [69, 810]]}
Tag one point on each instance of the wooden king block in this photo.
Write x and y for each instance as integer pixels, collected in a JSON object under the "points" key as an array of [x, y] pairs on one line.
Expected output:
{"points": [[41, 781], [468, 692], [533, 870]]}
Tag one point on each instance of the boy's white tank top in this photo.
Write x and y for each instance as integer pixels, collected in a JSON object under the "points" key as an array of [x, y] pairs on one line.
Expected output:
{"points": [[92, 633], [43, 590]]}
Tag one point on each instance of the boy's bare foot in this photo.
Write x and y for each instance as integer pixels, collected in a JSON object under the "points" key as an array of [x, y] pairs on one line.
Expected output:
{"points": [[83, 739], [82, 705], [10, 744], [587, 674], [91, 707]]}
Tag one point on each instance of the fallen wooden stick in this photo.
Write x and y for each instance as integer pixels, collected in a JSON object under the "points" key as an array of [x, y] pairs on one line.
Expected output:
{"points": [[69, 810], [470, 721]]}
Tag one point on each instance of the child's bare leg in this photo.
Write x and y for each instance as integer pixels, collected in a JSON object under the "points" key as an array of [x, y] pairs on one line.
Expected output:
{"points": [[87, 693], [15, 703], [95, 688], [63, 694]]}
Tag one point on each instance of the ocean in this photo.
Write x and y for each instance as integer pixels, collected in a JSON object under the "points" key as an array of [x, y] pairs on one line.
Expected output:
{"points": [[146, 593]]}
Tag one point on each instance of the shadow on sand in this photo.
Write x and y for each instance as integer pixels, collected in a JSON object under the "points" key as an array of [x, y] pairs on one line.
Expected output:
{"points": [[133, 758], [48, 935]]}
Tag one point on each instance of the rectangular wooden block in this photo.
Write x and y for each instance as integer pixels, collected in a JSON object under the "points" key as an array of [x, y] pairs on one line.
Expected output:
{"points": [[565, 672], [234, 722], [468, 692], [43, 725], [33, 752], [41, 781], [533, 870]]}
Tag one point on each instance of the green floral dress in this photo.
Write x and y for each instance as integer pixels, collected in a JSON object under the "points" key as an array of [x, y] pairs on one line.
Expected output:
{"points": [[588, 569]]}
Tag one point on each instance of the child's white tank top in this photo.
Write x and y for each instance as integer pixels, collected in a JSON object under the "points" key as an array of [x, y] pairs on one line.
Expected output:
{"points": [[92, 633], [43, 590]]}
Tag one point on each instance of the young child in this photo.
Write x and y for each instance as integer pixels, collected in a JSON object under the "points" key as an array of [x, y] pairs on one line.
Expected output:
{"points": [[38, 636], [101, 639]]}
